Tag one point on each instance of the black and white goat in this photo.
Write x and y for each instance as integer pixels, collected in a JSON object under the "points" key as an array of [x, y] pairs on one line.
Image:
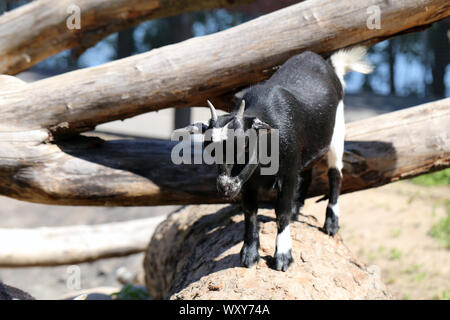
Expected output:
{"points": [[303, 100]]}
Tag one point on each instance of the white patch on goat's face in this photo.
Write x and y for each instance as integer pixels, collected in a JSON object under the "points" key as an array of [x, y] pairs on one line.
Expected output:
{"points": [[284, 242], [220, 134]]}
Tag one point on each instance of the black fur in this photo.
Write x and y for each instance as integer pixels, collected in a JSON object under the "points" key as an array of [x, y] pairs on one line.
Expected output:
{"points": [[331, 225], [300, 100]]}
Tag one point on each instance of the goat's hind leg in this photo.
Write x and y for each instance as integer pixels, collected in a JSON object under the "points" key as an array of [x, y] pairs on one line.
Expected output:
{"points": [[304, 179], [249, 252], [335, 165]]}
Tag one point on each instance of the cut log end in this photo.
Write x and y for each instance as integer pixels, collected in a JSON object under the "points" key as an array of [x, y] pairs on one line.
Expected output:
{"points": [[194, 254]]}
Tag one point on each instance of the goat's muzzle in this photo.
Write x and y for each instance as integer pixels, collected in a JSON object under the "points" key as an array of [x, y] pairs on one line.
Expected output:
{"points": [[228, 186]]}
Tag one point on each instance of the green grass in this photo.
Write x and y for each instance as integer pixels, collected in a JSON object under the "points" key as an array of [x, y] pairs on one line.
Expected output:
{"points": [[441, 230], [445, 295], [419, 277], [433, 179], [396, 232], [130, 292], [395, 254], [413, 269]]}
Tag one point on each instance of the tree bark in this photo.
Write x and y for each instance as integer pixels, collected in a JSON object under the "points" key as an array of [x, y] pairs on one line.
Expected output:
{"points": [[194, 254], [202, 68], [50, 246], [90, 171], [35, 31]]}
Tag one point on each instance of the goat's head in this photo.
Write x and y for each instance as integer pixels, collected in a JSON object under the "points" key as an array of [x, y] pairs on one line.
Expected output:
{"points": [[243, 131]]}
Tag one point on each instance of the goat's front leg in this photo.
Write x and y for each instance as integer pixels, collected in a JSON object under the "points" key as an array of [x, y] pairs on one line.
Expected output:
{"points": [[285, 203], [249, 251]]}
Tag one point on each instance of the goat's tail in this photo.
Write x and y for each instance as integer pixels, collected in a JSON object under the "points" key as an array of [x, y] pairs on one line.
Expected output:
{"points": [[352, 59]]}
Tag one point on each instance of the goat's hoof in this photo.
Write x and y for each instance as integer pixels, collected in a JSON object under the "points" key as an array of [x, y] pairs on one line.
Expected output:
{"points": [[249, 255], [283, 261], [331, 225]]}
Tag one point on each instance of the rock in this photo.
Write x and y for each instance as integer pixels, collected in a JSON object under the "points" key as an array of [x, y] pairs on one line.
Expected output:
{"points": [[194, 254]]}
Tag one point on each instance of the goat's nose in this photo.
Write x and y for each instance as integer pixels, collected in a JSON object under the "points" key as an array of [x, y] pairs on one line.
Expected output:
{"points": [[220, 188], [224, 189], [223, 185], [228, 186]]}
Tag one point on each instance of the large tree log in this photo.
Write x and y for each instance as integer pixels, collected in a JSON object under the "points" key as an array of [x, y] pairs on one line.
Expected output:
{"points": [[189, 72], [194, 254], [90, 171], [50, 246], [38, 30]]}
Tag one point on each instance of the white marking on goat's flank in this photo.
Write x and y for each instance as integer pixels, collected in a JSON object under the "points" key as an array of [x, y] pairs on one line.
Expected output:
{"points": [[334, 208], [336, 151], [284, 242]]}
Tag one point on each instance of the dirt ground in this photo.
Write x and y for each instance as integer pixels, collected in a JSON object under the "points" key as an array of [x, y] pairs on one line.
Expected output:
{"points": [[388, 227]]}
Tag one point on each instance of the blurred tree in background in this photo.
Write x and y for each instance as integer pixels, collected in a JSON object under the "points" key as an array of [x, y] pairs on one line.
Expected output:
{"points": [[412, 64]]}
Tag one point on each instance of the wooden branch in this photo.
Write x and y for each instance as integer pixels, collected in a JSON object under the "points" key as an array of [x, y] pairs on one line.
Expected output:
{"points": [[38, 30], [49, 246], [90, 171], [188, 73], [194, 254]]}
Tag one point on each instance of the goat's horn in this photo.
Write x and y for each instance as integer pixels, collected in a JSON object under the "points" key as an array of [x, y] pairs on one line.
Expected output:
{"points": [[213, 110], [240, 113]]}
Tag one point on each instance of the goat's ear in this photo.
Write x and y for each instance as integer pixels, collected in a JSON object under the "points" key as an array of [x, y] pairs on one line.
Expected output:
{"points": [[195, 128], [258, 124]]}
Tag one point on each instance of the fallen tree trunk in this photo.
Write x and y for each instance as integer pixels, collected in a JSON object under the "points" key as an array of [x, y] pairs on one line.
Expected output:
{"points": [[50, 246], [192, 71], [194, 254], [38, 30], [90, 171]]}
